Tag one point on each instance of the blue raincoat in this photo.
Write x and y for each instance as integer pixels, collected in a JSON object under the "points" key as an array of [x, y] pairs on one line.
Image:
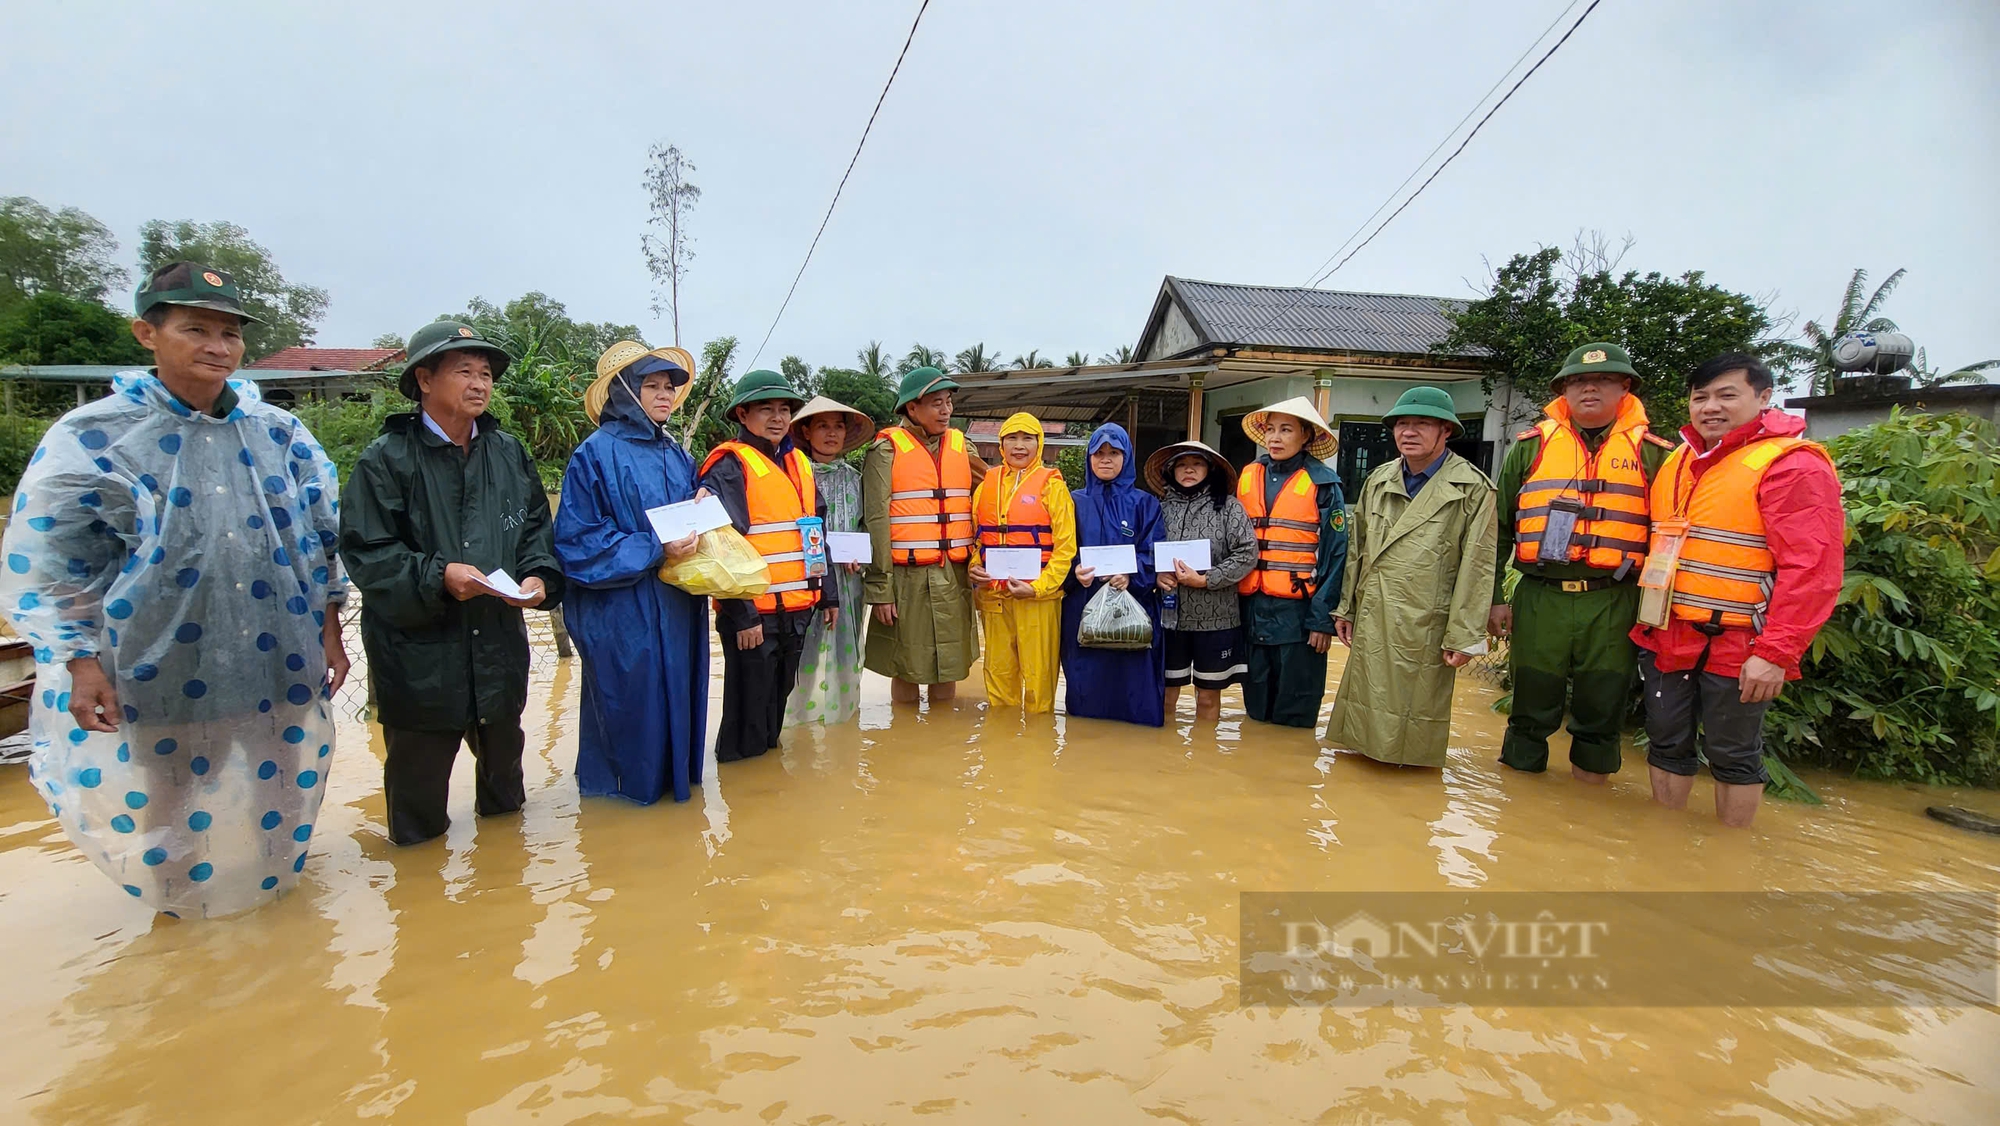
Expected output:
{"points": [[644, 643], [1108, 683], [194, 557]]}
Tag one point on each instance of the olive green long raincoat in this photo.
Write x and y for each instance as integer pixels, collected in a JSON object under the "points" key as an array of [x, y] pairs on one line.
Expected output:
{"points": [[935, 638], [1419, 582]]}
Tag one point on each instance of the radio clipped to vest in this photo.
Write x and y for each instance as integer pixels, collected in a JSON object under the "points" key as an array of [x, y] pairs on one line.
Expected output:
{"points": [[1656, 582], [1558, 528]]}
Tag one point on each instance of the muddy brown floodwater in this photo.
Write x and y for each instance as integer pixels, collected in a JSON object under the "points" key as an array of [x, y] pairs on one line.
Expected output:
{"points": [[955, 916]]}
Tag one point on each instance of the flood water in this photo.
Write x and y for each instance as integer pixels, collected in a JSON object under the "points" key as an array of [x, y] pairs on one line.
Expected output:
{"points": [[944, 916]]}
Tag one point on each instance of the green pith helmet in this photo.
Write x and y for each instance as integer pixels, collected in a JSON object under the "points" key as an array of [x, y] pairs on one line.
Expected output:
{"points": [[921, 382], [193, 285], [1425, 402], [439, 337], [756, 386], [1595, 358]]}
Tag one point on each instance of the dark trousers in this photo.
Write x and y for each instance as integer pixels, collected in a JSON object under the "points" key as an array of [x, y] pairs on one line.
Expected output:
{"points": [[417, 776], [755, 684], [1689, 710], [1284, 684], [1571, 652]]}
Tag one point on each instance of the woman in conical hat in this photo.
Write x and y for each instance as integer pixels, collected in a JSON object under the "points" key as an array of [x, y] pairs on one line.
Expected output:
{"points": [[1293, 499], [1200, 608], [829, 684], [644, 643]]}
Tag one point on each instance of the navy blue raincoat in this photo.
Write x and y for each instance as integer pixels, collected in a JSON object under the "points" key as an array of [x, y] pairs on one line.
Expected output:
{"points": [[1108, 683], [644, 643]]}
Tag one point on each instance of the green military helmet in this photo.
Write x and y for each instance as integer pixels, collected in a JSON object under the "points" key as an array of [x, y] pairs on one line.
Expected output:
{"points": [[1425, 402], [759, 385], [1592, 358], [193, 285], [439, 337], [920, 382]]}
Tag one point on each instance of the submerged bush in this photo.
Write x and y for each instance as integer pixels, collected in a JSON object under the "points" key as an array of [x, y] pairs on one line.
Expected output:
{"points": [[1904, 680]]}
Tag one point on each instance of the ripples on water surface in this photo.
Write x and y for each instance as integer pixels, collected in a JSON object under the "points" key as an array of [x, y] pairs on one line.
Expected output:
{"points": [[950, 915]]}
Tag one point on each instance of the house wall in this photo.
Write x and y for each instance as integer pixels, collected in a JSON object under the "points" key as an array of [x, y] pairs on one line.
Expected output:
{"points": [[1362, 400], [1176, 335]]}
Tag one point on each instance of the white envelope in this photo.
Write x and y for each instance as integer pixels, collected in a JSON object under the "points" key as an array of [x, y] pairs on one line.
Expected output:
{"points": [[503, 584], [1193, 552], [1117, 559], [850, 547], [1023, 563], [673, 522]]}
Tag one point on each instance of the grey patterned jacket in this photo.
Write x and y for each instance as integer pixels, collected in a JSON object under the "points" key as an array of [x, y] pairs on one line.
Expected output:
{"points": [[1232, 552]]}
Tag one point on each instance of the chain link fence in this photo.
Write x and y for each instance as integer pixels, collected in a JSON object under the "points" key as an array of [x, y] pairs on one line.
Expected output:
{"points": [[548, 640]]}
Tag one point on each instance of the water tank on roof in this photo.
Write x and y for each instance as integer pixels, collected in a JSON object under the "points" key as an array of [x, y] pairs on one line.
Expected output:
{"points": [[1879, 353]]}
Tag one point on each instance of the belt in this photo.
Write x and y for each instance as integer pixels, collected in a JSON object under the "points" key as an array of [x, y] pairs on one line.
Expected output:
{"points": [[1574, 586]]}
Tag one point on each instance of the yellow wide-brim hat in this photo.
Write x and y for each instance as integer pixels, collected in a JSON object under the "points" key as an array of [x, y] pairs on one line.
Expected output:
{"points": [[860, 428], [1323, 444], [622, 355]]}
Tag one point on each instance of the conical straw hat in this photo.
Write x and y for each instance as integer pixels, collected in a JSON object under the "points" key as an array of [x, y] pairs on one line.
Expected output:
{"points": [[1165, 456], [860, 428], [1323, 444]]}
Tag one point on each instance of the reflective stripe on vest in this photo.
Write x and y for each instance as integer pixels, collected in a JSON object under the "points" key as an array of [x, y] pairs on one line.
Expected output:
{"points": [[1027, 522], [930, 499], [777, 499], [1726, 570], [1610, 484], [1287, 536]]}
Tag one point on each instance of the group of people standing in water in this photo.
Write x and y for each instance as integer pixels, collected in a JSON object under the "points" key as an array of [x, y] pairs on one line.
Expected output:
{"points": [[179, 553]]}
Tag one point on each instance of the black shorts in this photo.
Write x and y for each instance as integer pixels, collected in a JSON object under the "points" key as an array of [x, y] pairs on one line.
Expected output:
{"points": [[1210, 659], [1731, 732]]}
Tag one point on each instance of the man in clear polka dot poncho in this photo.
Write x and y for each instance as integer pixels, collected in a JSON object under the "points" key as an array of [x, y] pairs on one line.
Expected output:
{"points": [[171, 558]]}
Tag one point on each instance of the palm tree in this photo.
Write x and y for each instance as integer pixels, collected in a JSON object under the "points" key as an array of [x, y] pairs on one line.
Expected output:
{"points": [[921, 357], [872, 361], [1077, 360], [1033, 359], [1123, 355], [976, 359]]}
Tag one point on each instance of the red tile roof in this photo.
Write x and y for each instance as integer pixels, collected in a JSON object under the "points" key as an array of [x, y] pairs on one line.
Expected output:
{"points": [[329, 359]]}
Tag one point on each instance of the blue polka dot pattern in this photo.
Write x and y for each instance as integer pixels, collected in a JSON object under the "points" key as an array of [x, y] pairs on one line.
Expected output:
{"points": [[180, 496], [308, 779], [188, 633], [123, 823], [267, 769], [171, 444], [201, 872], [186, 577], [154, 857], [199, 765], [93, 439], [260, 589], [295, 662], [199, 821], [194, 689], [302, 834], [90, 779], [266, 642], [145, 672], [300, 695], [271, 819], [269, 883], [166, 746]]}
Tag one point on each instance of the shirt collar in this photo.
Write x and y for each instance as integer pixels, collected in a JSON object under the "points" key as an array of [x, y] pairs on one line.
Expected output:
{"points": [[431, 425], [1414, 481]]}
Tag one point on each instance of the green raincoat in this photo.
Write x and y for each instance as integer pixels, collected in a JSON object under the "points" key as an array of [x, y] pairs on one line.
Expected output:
{"points": [[1419, 581], [935, 639]]}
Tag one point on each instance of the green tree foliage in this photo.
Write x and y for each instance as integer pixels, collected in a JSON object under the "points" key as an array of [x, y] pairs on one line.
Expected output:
{"points": [[921, 356], [1861, 311], [51, 328], [701, 413], [870, 394], [799, 374], [975, 359], [872, 360], [1033, 360], [1541, 306], [1122, 354], [388, 340], [290, 312], [1904, 680], [345, 426], [1077, 360], [19, 435], [65, 252], [1069, 462]]}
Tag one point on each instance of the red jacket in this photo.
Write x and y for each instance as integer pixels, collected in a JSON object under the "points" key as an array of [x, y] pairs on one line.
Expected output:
{"points": [[1806, 528]]}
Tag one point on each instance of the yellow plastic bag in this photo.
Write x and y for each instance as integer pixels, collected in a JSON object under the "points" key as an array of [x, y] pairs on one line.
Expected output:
{"points": [[723, 565]]}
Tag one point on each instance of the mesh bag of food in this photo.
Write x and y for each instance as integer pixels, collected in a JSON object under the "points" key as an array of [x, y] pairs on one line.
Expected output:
{"points": [[1113, 619], [723, 565]]}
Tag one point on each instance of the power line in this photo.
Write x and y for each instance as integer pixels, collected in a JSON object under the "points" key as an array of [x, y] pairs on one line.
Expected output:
{"points": [[893, 71], [1327, 273]]}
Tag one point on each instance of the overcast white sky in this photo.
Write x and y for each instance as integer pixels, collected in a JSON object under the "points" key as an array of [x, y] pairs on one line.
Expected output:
{"points": [[1039, 165]]}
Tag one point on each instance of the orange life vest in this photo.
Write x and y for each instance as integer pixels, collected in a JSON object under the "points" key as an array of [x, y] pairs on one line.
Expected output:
{"points": [[1609, 484], [930, 500], [1026, 523], [1726, 568], [1287, 536], [777, 500]]}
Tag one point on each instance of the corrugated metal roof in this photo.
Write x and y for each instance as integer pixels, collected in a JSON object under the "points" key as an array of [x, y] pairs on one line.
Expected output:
{"points": [[1314, 319]]}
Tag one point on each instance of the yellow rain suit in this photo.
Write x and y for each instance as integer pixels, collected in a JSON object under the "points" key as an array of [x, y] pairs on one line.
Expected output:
{"points": [[1024, 635]]}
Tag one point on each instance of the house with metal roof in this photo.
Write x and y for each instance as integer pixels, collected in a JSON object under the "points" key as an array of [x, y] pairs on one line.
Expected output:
{"points": [[1210, 353], [281, 385]]}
